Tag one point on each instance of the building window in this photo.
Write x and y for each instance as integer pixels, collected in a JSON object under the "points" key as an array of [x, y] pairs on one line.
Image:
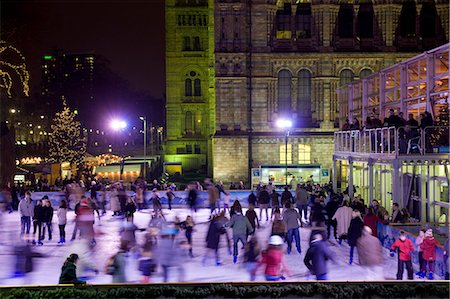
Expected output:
{"points": [[365, 20], [197, 88], [188, 122], [197, 149], [188, 87], [188, 149], [198, 122], [345, 21], [365, 73], [304, 154], [303, 20], [197, 43], [284, 91], [283, 22], [408, 19], [192, 85], [346, 76], [428, 20], [304, 93], [283, 154], [186, 43]]}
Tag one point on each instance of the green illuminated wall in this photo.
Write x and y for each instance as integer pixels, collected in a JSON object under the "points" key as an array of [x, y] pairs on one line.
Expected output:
{"points": [[190, 88]]}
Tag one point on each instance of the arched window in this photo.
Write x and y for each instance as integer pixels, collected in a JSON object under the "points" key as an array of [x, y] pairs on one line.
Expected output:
{"points": [[188, 87], [188, 122], [428, 20], [198, 122], [186, 43], [346, 76], [345, 21], [197, 43], [284, 91], [365, 20], [365, 73], [408, 19], [304, 93], [197, 88]]}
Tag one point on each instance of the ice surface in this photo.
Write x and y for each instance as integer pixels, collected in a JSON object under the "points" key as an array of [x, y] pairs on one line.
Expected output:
{"points": [[47, 269]]}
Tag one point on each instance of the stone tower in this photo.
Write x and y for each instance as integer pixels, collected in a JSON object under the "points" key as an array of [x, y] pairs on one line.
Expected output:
{"points": [[190, 95]]}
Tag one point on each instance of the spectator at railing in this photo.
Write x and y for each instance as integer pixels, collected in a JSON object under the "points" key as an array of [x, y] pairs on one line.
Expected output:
{"points": [[394, 120], [376, 122], [426, 120], [355, 124], [411, 121], [397, 214], [346, 126], [402, 119], [368, 125]]}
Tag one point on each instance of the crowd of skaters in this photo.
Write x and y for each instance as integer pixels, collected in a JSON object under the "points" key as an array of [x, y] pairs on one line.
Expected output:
{"points": [[325, 213]]}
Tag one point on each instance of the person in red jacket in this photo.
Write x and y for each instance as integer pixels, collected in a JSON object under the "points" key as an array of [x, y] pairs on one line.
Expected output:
{"points": [[273, 259], [371, 220], [429, 254], [405, 248]]}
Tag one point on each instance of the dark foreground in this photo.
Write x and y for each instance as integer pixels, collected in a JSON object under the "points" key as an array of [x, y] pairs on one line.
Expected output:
{"points": [[329, 289]]}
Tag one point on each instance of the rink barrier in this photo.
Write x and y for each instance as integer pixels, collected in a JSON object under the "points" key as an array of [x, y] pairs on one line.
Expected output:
{"points": [[299, 289], [179, 200], [388, 234]]}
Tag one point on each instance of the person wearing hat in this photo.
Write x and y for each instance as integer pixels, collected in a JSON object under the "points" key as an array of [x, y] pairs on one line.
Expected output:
{"points": [[429, 253], [316, 257], [274, 261], [405, 248]]}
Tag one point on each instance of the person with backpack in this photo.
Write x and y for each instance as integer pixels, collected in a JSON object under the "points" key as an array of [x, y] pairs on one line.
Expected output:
{"points": [[69, 271]]}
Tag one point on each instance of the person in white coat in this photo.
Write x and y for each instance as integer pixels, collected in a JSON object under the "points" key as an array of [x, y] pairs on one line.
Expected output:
{"points": [[343, 216], [62, 221]]}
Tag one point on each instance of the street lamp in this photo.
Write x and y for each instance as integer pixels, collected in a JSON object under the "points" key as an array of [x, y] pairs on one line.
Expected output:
{"points": [[285, 124], [117, 124], [144, 120]]}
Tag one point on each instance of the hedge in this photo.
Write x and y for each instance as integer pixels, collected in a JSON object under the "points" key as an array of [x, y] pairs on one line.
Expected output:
{"points": [[238, 290]]}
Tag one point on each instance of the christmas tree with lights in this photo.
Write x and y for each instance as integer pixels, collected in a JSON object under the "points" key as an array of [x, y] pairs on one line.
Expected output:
{"points": [[66, 141]]}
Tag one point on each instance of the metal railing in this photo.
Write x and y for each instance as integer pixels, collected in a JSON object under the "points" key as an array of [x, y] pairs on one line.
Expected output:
{"points": [[404, 140]]}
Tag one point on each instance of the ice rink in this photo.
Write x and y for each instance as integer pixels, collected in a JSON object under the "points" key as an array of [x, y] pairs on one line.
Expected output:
{"points": [[47, 269]]}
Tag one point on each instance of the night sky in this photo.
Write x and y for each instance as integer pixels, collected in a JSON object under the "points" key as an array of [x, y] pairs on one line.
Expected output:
{"points": [[128, 33]]}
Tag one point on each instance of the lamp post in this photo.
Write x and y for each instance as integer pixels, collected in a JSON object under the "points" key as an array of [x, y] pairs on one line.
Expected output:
{"points": [[144, 120], [285, 124]]}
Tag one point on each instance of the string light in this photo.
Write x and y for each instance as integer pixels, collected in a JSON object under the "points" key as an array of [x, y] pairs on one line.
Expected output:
{"points": [[20, 69]]}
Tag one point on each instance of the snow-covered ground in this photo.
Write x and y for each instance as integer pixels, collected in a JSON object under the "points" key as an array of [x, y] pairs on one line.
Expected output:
{"points": [[47, 269]]}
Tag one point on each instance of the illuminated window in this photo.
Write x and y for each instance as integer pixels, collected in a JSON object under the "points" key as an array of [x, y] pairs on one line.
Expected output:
{"points": [[284, 91], [283, 154], [198, 122], [304, 154]]}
